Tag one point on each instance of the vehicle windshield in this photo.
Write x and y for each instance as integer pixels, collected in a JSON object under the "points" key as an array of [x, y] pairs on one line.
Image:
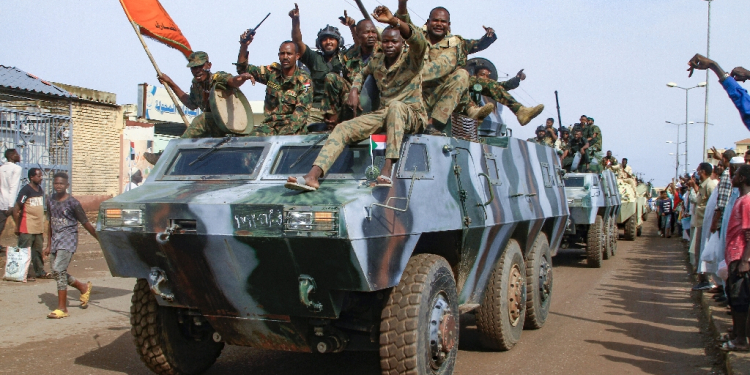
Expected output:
{"points": [[221, 162], [574, 182], [296, 160]]}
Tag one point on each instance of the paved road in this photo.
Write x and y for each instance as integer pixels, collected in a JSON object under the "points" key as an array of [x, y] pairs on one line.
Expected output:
{"points": [[633, 315]]}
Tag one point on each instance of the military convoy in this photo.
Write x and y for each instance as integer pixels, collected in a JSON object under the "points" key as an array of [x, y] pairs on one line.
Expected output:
{"points": [[223, 254], [634, 208], [594, 204]]}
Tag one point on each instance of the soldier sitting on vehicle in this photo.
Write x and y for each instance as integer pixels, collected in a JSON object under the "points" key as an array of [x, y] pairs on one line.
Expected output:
{"points": [[577, 145], [325, 65], [609, 160], [563, 141], [366, 44], [499, 92], [397, 71], [444, 85], [540, 138], [202, 125], [288, 92], [593, 134]]}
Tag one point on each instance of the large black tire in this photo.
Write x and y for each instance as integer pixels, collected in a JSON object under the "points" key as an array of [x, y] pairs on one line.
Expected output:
{"points": [[420, 321], [538, 283], [631, 227], [638, 231], [595, 243], [501, 315], [160, 341], [607, 233], [614, 238]]}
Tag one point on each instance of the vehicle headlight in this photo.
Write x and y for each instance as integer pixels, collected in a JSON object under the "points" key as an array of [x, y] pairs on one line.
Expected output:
{"points": [[312, 221], [116, 217]]}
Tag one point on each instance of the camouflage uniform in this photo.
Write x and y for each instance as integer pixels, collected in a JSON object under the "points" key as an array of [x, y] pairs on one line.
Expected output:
{"points": [[203, 125], [537, 141], [323, 74], [548, 138], [288, 100], [498, 91], [575, 146], [594, 142], [445, 86], [611, 160], [337, 87], [401, 108]]}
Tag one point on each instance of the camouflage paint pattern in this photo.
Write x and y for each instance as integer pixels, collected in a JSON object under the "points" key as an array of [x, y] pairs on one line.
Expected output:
{"points": [[240, 265], [496, 91]]}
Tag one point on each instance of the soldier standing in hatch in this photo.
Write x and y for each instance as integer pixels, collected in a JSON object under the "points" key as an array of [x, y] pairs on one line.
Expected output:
{"points": [[366, 43], [202, 125], [397, 72], [323, 65], [444, 85], [288, 92]]}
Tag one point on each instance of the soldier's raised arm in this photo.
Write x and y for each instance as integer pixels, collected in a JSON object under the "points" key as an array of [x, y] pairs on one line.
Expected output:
{"points": [[182, 95], [352, 25], [477, 45], [403, 12], [245, 70], [296, 31]]}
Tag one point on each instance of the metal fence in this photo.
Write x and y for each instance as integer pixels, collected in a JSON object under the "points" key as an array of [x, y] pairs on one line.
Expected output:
{"points": [[41, 135]]}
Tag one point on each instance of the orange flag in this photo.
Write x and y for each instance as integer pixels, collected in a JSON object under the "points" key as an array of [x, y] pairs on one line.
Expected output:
{"points": [[153, 21]]}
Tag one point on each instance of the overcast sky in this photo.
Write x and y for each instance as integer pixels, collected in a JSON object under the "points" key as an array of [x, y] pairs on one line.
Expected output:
{"points": [[610, 60]]}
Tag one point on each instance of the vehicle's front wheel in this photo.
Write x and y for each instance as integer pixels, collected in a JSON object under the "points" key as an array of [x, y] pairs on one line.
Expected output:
{"points": [[419, 323], [501, 315], [607, 235], [538, 283], [167, 346], [595, 243], [631, 227], [614, 238]]}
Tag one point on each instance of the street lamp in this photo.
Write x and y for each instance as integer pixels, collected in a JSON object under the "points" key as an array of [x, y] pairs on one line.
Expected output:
{"points": [[708, 55], [672, 84]]}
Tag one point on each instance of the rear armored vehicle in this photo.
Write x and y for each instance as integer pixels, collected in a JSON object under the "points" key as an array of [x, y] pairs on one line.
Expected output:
{"points": [[594, 203], [224, 254]]}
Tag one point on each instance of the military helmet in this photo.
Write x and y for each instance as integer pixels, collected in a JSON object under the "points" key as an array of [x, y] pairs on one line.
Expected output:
{"points": [[564, 130], [541, 128], [330, 31]]}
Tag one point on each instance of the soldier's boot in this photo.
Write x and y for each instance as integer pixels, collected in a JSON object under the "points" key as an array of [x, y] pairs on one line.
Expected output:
{"points": [[152, 157], [479, 113], [526, 114]]}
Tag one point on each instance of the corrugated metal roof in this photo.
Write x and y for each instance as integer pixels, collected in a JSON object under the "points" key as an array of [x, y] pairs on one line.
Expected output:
{"points": [[14, 78]]}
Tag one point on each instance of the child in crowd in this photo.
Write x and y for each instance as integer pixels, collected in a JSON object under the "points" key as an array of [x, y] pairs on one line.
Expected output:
{"points": [[65, 212], [664, 207]]}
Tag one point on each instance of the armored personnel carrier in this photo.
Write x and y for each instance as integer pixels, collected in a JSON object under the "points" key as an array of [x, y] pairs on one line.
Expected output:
{"points": [[224, 254], [594, 203], [633, 207]]}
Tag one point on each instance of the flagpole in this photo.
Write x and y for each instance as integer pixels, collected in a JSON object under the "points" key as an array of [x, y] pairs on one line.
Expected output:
{"points": [[177, 103]]}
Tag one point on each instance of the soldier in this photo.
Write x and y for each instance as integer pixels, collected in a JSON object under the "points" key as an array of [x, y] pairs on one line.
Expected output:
{"points": [[397, 72], [582, 124], [499, 92], [593, 134], [355, 58], [625, 170], [202, 125], [540, 136], [609, 160], [563, 143], [550, 133], [321, 64], [577, 145], [445, 86], [288, 92]]}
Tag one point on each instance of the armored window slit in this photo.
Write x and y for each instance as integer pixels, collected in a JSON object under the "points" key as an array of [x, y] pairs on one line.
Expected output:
{"points": [[185, 226]]}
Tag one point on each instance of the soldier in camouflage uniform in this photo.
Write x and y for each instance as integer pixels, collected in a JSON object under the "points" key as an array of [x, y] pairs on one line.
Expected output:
{"points": [[325, 65], [288, 90], [540, 138], [337, 87], [593, 134], [609, 160], [202, 125], [397, 72], [576, 145], [498, 91], [445, 85]]}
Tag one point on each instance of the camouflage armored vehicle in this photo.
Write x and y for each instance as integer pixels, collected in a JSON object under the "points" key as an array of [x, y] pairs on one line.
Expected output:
{"points": [[633, 207], [594, 203], [224, 254]]}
